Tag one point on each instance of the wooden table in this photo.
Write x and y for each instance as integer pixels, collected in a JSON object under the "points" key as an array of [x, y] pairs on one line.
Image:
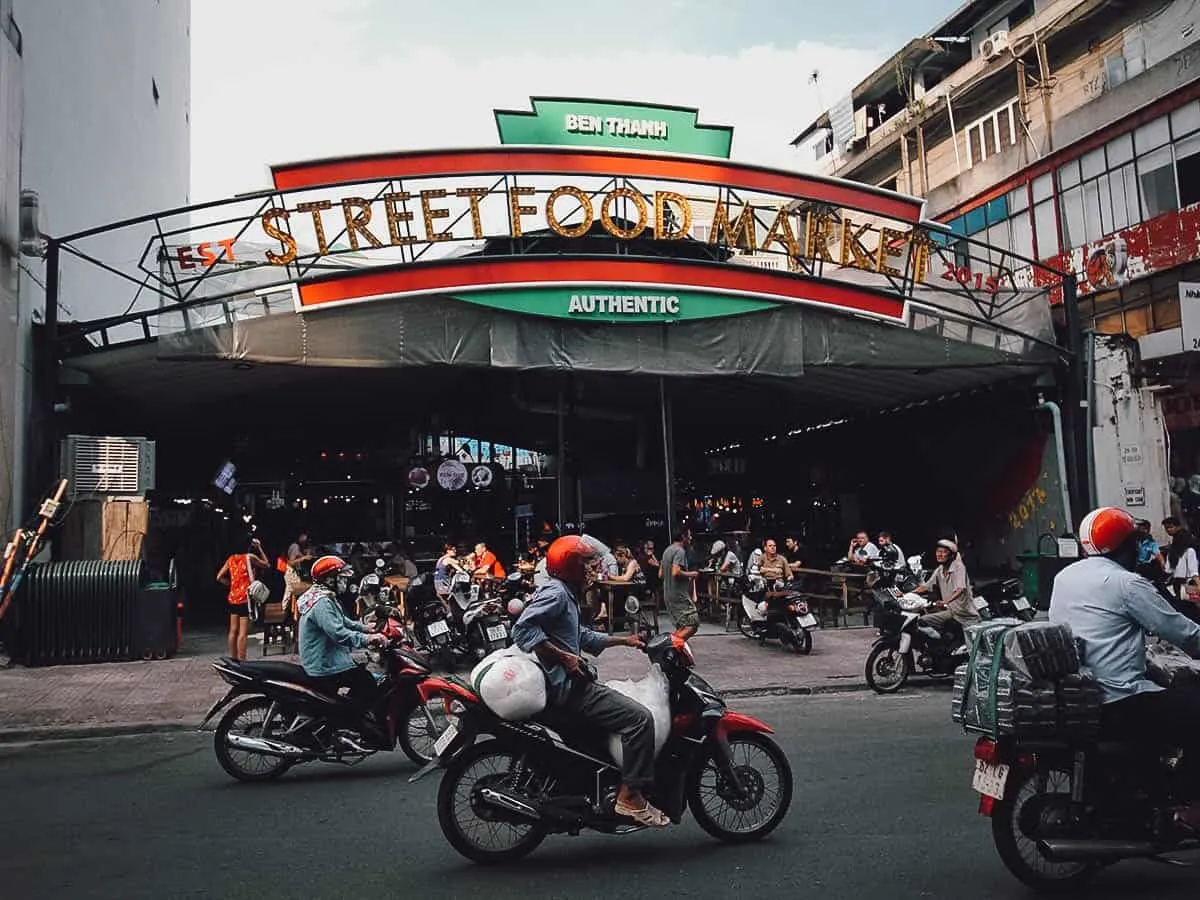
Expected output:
{"points": [[832, 589], [613, 594]]}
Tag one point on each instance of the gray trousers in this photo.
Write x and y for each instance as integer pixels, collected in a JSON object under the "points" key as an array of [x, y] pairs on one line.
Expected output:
{"points": [[617, 714]]}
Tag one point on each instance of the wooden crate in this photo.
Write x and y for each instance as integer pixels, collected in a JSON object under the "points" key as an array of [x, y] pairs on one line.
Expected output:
{"points": [[109, 529]]}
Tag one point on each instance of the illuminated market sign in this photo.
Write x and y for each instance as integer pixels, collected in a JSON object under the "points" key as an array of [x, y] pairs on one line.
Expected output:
{"points": [[605, 123], [403, 219], [606, 303]]}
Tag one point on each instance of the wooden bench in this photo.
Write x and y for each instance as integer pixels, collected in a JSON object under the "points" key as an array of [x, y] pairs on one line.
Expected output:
{"points": [[826, 589]]}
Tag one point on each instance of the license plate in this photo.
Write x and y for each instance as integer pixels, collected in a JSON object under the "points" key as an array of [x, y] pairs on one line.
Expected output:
{"points": [[446, 739], [1021, 604], [990, 780], [497, 632], [809, 621], [438, 627]]}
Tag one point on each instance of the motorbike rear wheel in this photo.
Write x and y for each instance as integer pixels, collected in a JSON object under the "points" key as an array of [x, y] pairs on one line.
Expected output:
{"points": [[765, 773], [247, 717], [483, 840], [1026, 805], [887, 669]]}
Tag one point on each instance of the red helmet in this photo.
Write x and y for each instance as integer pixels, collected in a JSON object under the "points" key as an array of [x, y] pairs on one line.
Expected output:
{"points": [[326, 568], [1103, 530], [568, 558]]}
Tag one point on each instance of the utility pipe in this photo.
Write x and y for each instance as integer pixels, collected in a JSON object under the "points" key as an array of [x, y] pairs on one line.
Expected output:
{"points": [[1089, 351], [1060, 450]]}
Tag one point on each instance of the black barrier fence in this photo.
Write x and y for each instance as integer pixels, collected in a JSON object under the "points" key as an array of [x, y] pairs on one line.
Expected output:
{"points": [[91, 611]]}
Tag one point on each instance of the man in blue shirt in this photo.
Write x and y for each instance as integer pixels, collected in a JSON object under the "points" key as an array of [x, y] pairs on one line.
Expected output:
{"points": [[550, 627], [1146, 544], [1110, 609]]}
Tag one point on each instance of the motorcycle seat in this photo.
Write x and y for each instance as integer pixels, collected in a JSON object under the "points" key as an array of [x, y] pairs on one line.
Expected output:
{"points": [[276, 671]]}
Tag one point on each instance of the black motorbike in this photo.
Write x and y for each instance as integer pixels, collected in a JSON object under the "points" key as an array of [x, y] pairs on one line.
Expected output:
{"points": [[500, 798], [1003, 599], [884, 576], [776, 611], [481, 622], [280, 716], [1061, 810], [432, 626], [905, 647]]}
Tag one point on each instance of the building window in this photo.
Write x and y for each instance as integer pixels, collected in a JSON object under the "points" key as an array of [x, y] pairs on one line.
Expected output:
{"points": [[154, 90], [991, 134], [1156, 172]]}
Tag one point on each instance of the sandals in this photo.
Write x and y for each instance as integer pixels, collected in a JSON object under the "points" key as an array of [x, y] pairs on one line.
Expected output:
{"points": [[648, 815]]}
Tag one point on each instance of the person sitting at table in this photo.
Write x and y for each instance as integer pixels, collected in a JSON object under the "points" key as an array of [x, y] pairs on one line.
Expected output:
{"points": [[629, 571], [723, 561], [793, 552], [772, 566], [485, 563]]}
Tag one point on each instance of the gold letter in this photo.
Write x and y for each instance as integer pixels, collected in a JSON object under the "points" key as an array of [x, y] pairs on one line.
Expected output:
{"points": [[396, 216], [743, 233], [473, 195], [517, 210], [357, 224], [612, 227], [318, 226], [585, 203], [886, 236], [662, 212], [781, 233], [816, 237], [920, 255], [273, 230], [431, 214], [852, 246]]}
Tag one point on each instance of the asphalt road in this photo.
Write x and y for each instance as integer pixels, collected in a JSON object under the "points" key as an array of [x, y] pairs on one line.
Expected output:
{"points": [[883, 809]]}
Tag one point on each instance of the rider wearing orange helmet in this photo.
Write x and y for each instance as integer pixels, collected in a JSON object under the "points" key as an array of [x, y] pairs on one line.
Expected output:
{"points": [[327, 634], [550, 627], [1110, 609]]}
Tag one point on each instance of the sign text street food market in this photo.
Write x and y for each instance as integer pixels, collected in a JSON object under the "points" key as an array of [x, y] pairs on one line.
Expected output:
{"points": [[404, 219]]}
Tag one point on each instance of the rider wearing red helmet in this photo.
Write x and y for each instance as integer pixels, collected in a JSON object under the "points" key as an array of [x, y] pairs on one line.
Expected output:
{"points": [[327, 634], [550, 627], [1110, 609]]}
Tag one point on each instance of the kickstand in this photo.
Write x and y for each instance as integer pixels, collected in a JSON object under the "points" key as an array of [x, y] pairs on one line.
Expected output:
{"points": [[1166, 861]]}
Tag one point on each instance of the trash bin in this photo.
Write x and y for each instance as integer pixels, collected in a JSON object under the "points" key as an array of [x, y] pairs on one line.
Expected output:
{"points": [[1055, 553], [1029, 575]]}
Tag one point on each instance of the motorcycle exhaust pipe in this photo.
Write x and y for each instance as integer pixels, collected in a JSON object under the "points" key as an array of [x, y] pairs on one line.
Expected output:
{"points": [[509, 803], [266, 747], [1069, 850]]}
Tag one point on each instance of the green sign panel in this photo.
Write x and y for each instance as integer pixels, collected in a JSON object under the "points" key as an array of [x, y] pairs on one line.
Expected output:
{"points": [[605, 303], [604, 123]]}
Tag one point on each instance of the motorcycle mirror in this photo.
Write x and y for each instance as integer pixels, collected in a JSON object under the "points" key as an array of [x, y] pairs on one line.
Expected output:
{"points": [[379, 564], [632, 606]]}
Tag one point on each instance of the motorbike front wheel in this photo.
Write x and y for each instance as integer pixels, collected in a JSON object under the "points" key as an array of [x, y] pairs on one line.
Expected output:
{"points": [[803, 643], [1030, 800], [480, 832], [247, 718], [745, 626], [420, 727], [887, 669], [766, 777]]}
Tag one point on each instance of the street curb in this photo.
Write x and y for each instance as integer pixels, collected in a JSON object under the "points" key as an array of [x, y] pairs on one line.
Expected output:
{"points": [[38, 733]]}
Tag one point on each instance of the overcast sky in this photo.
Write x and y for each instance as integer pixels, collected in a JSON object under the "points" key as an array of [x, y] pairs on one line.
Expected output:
{"points": [[281, 80]]}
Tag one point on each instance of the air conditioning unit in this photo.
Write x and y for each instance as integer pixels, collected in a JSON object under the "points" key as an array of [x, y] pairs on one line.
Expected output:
{"points": [[995, 44], [107, 466]]}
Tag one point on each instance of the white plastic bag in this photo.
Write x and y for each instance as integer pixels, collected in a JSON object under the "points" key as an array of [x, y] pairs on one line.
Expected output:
{"points": [[511, 683], [653, 693]]}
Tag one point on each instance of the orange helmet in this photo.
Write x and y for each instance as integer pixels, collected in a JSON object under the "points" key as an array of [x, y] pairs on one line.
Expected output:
{"points": [[326, 568], [568, 557], [1103, 530]]}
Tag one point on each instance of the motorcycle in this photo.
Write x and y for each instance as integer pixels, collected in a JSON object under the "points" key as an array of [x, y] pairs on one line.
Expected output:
{"points": [[882, 578], [500, 798], [1061, 810], [1003, 599], [905, 647], [279, 716], [373, 593], [433, 628], [479, 617], [778, 614]]}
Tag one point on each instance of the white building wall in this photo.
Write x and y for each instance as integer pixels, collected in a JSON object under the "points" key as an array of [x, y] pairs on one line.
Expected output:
{"points": [[1129, 436], [98, 147]]}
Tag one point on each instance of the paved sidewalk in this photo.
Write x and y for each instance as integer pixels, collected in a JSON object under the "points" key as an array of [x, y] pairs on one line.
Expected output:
{"points": [[117, 698]]}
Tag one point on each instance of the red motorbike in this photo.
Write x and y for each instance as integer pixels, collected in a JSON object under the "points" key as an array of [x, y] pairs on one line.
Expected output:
{"points": [[500, 798]]}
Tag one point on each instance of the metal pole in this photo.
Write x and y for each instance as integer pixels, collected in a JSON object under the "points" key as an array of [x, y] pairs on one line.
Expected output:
{"points": [[953, 130], [562, 461], [1075, 404], [1090, 434], [668, 475], [44, 460]]}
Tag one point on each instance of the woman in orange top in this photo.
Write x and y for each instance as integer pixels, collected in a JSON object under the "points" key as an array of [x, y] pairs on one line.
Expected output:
{"points": [[238, 573]]}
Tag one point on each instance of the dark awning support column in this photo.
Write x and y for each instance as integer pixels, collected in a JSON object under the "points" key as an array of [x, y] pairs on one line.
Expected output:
{"points": [[561, 460], [668, 461]]}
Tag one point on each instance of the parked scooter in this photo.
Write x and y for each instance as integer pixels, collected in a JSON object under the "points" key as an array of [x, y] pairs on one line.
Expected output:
{"points": [[776, 612], [480, 621], [1003, 599], [905, 647], [433, 628]]}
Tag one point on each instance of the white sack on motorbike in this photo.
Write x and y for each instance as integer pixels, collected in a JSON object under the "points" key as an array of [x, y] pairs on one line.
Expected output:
{"points": [[654, 694], [511, 683]]}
